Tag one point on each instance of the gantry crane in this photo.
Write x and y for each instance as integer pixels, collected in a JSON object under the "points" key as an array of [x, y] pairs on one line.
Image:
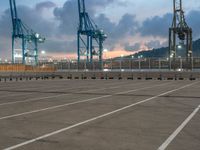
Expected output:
{"points": [[180, 31], [88, 35], [29, 38]]}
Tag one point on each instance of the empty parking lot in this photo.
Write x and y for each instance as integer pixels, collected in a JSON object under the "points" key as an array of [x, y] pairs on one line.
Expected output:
{"points": [[100, 115]]}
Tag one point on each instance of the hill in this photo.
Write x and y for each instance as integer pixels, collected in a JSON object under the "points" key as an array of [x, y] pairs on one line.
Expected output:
{"points": [[163, 52]]}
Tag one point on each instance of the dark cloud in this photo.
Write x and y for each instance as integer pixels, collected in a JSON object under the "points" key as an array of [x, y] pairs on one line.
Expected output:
{"points": [[129, 47], [194, 22], [56, 46], [68, 18], [154, 44], [156, 26], [126, 26], [150, 45]]}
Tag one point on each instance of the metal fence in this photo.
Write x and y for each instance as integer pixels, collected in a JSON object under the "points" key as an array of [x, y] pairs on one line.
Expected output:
{"points": [[123, 64], [151, 64]]}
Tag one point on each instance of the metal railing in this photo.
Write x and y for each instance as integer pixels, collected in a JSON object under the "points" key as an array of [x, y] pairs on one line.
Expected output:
{"points": [[124, 64]]}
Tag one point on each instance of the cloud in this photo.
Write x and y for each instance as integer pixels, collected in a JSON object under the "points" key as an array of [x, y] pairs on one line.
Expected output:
{"points": [[60, 28], [134, 47], [194, 22], [156, 26], [47, 4], [152, 44], [68, 18]]}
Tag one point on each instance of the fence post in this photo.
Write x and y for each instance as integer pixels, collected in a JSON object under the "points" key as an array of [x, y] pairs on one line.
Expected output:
{"points": [[192, 63], [111, 64], [68, 65], [61, 65], [159, 63], [139, 64], [181, 64], [149, 63], [120, 64], [85, 66]]}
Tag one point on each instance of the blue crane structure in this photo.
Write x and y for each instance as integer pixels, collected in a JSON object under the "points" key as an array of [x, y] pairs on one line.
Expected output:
{"points": [[29, 38], [89, 37]]}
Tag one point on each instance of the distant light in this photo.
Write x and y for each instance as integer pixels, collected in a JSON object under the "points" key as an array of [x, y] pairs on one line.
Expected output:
{"points": [[141, 56], [105, 50], [43, 52], [105, 70], [172, 55], [179, 46], [122, 55], [132, 56], [37, 35], [179, 69]]}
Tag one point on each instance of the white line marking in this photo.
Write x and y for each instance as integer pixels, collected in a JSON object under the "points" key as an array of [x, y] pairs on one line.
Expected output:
{"points": [[69, 104], [92, 119], [178, 130], [55, 96]]}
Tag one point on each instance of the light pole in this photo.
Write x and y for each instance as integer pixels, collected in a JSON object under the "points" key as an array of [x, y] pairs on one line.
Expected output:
{"points": [[43, 56], [122, 56], [105, 52], [132, 62], [111, 63]]}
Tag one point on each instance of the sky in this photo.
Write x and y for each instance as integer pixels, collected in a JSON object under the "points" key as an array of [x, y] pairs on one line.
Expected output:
{"points": [[131, 25]]}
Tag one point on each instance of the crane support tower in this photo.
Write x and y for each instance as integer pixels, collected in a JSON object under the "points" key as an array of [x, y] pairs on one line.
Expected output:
{"points": [[89, 37], [28, 38], [181, 32]]}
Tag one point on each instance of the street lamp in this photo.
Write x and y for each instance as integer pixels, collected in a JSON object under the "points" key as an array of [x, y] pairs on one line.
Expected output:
{"points": [[43, 52], [179, 46], [43, 56]]}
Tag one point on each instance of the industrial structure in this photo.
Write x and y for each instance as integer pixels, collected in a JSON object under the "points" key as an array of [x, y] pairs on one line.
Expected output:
{"points": [[28, 38], [89, 37], [180, 32]]}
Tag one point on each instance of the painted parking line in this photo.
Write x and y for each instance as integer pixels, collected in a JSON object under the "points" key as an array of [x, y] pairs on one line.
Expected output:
{"points": [[73, 103], [93, 119], [56, 96], [178, 130]]}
